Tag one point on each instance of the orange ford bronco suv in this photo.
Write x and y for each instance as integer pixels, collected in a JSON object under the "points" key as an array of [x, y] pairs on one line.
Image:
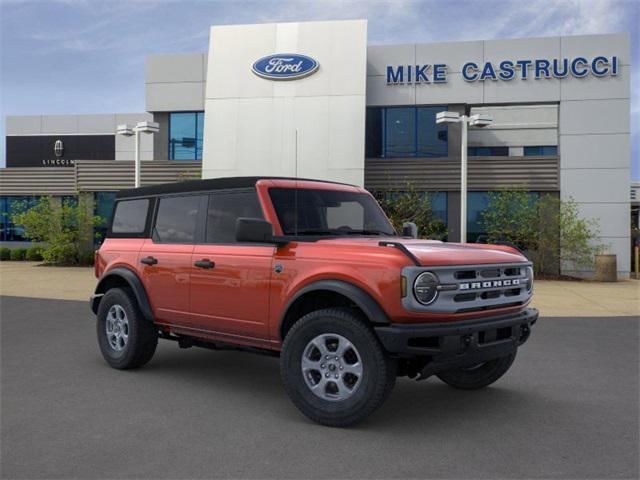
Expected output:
{"points": [[313, 272]]}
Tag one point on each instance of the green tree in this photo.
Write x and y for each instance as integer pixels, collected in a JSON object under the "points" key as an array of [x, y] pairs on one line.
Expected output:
{"points": [[510, 216], [549, 229], [410, 205], [66, 228]]}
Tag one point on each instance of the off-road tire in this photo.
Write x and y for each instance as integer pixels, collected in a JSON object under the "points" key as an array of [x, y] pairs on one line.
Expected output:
{"points": [[379, 371], [480, 377], [142, 334]]}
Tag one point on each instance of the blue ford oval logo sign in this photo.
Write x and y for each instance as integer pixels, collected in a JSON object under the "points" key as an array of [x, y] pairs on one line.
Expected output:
{"points": [[285, 66]]}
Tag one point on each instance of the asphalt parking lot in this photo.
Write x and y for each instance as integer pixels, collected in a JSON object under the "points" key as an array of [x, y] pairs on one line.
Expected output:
{"points": [[567, 409]]}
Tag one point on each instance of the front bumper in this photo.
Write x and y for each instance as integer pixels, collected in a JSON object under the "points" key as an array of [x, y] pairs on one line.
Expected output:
{"points": [[459, 344]]}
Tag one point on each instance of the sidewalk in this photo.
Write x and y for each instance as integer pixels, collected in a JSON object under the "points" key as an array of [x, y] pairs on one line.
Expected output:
{"points": [[553, 298]]}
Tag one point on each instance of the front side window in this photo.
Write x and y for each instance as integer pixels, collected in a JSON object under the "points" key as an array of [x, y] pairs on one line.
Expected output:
{"points": [[176, 219], [328, 212], [225, 209], [185, 135], [130, 216]]}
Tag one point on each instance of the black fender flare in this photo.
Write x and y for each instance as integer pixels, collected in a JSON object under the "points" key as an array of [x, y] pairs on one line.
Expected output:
{"points": [[357, 295], [134, 283]]}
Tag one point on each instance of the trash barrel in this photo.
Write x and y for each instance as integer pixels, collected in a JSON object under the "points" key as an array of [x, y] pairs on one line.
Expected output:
{"points": [[606, 268]]}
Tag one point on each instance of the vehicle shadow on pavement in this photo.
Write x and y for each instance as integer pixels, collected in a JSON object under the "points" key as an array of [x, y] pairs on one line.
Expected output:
{"points": [[412, 403]]}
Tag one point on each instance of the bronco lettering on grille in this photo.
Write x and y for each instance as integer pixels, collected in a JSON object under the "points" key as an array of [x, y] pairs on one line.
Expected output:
{"points": [[489, 284]]}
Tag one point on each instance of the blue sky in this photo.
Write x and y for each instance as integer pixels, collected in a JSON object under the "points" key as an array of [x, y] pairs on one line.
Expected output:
{"points": [[85, 56]]}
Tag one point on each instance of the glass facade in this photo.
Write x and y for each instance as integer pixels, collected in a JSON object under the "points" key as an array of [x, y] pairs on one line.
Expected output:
{"points": [[541, 151], [185, 135], [393, 132], [10, 232]]}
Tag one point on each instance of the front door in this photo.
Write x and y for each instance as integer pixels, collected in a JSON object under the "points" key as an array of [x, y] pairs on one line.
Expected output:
{"points": [[165, 259], [230, 281]]}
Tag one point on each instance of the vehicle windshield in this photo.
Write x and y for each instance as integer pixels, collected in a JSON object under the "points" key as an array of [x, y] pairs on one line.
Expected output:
{"points": [[328, 212]]}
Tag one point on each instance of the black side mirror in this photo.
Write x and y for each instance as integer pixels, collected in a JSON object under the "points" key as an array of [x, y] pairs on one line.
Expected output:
{"points": [[409, 229], [253, 230]]}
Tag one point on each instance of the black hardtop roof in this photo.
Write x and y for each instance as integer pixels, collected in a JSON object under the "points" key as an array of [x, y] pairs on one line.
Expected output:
{"points": [[205, 185]]}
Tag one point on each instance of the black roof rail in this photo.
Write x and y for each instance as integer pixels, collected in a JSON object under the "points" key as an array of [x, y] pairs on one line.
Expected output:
{"points": [[206, 185]]}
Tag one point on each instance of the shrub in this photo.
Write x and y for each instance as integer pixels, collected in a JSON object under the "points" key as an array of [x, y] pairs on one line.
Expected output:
{"points": [[548, 228], [18, 254], [410, 205], [86, 258], [65, 228], [34, 254], [5, 253]]}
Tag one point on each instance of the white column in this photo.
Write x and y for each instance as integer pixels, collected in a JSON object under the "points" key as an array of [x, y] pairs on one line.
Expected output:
{"points": [[463, 182], [137, 159]]}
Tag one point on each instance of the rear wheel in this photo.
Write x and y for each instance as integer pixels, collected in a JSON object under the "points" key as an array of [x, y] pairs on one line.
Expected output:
{"points": [[334, 369], [126, 338], [478, 376]]}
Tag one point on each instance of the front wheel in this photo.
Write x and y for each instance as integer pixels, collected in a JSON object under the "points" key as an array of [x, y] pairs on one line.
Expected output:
{"points": [[334, 369], [477, 376]]}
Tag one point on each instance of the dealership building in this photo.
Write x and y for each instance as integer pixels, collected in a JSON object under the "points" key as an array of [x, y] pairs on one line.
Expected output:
{"points": [[313, 100]]}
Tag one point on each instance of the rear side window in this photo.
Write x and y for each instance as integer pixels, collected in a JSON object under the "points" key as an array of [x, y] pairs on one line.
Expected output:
{"points": [[130, 216], [177, 219], [225, 209]]}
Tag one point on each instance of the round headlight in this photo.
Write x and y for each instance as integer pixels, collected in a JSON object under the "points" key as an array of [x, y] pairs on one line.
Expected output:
{"points": [[529, 274], [425, 288]]}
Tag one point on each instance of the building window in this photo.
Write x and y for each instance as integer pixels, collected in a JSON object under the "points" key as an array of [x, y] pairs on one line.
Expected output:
{"points": [[393, 132], [488, 151], [185, 135], [10, 232], [439, 206], [541, 151]]}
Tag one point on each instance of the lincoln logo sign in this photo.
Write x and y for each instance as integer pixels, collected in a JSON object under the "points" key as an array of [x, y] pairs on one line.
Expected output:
{"points": [[505, 70], [285, 66], [58, 148]]}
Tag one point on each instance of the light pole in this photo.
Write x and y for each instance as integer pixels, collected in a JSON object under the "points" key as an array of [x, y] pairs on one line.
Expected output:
{"points": [[128, 131], [477, 120]]}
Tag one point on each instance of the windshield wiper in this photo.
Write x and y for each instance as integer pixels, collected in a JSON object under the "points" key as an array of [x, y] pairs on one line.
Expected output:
{"points": [[314, 232], [339, 232]]}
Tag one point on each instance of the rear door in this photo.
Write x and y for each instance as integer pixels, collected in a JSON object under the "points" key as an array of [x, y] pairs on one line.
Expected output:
{"points": [[165, 258], [230, 281]]}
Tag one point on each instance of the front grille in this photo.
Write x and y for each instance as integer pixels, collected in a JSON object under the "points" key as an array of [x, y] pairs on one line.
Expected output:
{"points": [[474, 287]]}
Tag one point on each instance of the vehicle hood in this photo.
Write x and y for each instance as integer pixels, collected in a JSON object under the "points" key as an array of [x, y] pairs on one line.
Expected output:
{"points": [[436, 253]]}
